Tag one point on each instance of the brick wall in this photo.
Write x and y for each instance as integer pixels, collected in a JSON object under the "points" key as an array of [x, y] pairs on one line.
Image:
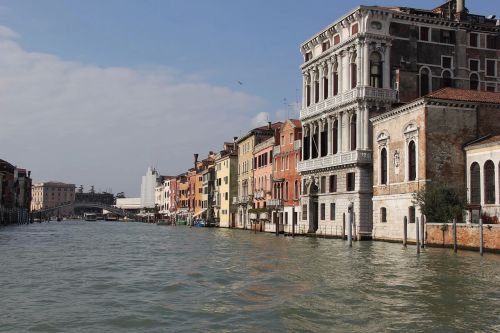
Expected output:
{"points": [[467, 235]]}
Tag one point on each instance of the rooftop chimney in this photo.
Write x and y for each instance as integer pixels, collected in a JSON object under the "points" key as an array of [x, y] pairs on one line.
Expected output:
{"points": [[195, 162], [460, 6], [269, 125]]}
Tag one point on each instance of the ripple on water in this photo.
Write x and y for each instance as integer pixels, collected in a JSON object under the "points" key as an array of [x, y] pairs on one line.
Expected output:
{"points": [[132, 277]]}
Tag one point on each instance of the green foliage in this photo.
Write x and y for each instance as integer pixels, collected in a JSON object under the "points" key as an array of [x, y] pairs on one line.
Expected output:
{"points": [[440, 202]]}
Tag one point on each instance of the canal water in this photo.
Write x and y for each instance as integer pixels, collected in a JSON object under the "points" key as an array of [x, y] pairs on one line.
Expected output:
{"points": [[132, 277]]}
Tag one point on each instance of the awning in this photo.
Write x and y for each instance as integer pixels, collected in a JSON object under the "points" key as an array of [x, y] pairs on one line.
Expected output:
{"points": [[200, 212]]}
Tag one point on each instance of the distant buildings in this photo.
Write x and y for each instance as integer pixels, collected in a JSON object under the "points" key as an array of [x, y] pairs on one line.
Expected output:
{"points": [[226, 186], [149, 182], [15, 194], [53, 194]]}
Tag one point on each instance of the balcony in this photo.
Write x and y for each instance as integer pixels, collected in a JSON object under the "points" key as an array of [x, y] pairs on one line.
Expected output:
{"points": [[260, 194], [242, 200], [350, 157], [366, 92], [297, 144], [276, 150], [274, 203]]}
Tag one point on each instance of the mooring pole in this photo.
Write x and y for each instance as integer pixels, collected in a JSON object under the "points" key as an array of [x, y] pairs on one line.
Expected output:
{"points": [[480, 236], [349, 229], [293, 221], [277, 223], [343, 226], [455, 248], [417, 235], [405, 230], [422, 231]]}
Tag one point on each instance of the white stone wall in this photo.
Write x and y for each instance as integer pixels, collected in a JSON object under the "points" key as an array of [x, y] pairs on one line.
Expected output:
{"points": [[397, 206], [148, 185]]}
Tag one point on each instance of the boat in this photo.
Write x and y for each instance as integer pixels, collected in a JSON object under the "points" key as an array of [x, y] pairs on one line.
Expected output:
{"points": [[110, 217], [163, 222], [90, 217]]}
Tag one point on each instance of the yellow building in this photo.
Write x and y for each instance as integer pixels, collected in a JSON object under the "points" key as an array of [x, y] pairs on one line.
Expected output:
{"points": [[246, 166], [226, 186]]}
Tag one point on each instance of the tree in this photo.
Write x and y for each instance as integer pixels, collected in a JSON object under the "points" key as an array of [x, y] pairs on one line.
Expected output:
{"points": [[440, 202]]}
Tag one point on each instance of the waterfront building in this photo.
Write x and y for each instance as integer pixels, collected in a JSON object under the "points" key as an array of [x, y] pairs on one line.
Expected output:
{"points": [[53, 194], [208, 191], [149, 182], [482, 169], [262, 180], [131, 205], [183, 213], [105, 198], [361, 66], [226, 186], [15, 193], [162, 196], [246, 167], [173, 198], [286, 180], [422, 142]]}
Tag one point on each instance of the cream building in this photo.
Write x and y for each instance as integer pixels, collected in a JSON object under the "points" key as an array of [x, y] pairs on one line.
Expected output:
{"points": [[226, 186], [53, 194], [246, 167]]}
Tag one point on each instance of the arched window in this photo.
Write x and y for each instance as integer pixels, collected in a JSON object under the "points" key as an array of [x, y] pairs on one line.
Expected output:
{"points": [[383, 214], [335, 133], [308, 94], [475, 184], [474, 81], [489, 182], [447, 79], [325, 86], [383, 166], [353, 132], [316, 91], [376, 70], [425, 82], [335, 80], [354, 73], [412, 161]]}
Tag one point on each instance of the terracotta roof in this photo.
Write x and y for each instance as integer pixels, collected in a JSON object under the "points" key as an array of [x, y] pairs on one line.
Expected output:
{"points": [[486, 140], [465, 95]]}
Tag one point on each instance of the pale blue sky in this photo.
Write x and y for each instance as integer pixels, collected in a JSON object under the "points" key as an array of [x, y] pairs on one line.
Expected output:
{"points": [[186, 42]]}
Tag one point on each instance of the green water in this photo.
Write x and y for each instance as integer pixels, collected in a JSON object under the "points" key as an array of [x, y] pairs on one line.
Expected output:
{"points": [[133, 277]]}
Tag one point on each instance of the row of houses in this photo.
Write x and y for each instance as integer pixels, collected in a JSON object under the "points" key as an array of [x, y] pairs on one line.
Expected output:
{"points": [[15, 194], [394, 99]]}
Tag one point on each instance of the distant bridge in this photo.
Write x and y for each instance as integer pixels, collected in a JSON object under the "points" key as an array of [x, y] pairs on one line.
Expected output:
{"points": [[84, 204]]}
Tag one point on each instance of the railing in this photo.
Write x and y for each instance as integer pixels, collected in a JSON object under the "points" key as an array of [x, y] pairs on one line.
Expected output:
{"points": [[271, 203], [276, 150], [365, 92], [355, 156], [297, 144], [235, 200]]}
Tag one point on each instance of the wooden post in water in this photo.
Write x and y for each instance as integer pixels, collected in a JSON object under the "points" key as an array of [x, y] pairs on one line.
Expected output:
{"points": [[349, 222], [343, 226], [293, 221], [405, 230], [422, 230], [277, 223], [417, 235], [455, 247], [480, 235]]}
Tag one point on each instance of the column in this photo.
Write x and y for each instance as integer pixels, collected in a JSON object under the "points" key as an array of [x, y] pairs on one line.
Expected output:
{"points": [[304, 90], [329, 135], [320, 136], [340, 129], [340, 70], [303, 143], [359, 64], [312, 91], [330, 78], [366, 63], [497, 182], [366, 128], [345, 131], [311, 132], [359, 129], [386, 76], [345, 70], [481, 182], [320, 80]]}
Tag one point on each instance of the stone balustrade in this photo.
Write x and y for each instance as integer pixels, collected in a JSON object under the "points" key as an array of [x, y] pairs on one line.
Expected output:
{"points": [[350, 157]]}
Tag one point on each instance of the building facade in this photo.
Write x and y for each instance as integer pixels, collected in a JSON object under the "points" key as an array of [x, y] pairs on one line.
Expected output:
{"points": [[226, 186], [53, 194], [421, 143], [482, 170], [149, 182], [246, 167], [15, 194], [286, 179], [361, 66]]}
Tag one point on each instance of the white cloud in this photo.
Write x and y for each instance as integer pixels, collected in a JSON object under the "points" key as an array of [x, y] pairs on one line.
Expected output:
{"points": [[82, 123], [260, 119]]}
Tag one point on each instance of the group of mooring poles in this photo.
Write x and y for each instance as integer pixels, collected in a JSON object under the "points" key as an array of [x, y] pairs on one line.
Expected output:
{"points": [[420, 236]]}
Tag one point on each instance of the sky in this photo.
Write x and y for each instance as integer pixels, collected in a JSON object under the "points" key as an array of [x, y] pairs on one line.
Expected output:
{"points": [[93, 92]]}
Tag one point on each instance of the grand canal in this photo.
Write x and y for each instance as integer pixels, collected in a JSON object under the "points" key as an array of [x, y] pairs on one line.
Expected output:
{"points": [[132, 277]]}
